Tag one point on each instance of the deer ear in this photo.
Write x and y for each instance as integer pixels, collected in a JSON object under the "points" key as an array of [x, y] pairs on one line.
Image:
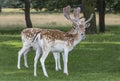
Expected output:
{"points": [[87, 25]]}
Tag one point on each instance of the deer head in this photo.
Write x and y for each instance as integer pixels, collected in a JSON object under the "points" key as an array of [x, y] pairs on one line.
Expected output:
{"points": [[79, 24]]}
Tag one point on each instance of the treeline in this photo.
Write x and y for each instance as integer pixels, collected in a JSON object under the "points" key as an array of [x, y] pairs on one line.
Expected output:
{"points": [[57, 5]]}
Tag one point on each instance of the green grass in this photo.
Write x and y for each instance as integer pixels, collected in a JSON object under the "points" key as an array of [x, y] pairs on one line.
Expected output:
{"points": [[95, 59]]}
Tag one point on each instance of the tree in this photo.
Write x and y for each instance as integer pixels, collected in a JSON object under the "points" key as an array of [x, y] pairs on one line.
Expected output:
{"points": [[101, 10], [1, 2], [88, 8], [0, 8], [27, 14]]}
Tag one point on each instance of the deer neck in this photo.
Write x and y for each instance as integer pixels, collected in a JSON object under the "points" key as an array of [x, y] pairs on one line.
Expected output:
{"points": [[75, 39], [72, 31]]}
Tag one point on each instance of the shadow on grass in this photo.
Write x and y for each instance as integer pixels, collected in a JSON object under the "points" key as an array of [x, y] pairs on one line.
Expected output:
{"points": [[17, 29], [12, 29]]}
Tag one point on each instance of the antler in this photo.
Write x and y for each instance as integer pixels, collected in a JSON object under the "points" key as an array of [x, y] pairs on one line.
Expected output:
{"points": [[91, 16], [66, 12], [77, 12]]}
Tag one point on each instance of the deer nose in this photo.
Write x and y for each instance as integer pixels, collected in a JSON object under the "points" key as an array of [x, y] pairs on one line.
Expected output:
{"points": [[84, 38]]}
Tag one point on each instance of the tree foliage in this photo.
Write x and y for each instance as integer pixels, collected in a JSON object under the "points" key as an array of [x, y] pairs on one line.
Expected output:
{"points": [[113, 5], [56, 5], [116, 6], [52, 5]]}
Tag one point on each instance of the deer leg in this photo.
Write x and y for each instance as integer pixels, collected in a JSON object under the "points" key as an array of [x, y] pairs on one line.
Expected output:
{"points": [[25, 58], [65, 60], [42, 60], [56, 59], [20, 54], [38, 52]]}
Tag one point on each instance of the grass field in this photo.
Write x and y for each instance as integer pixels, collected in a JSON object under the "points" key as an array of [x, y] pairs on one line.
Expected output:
{"points": [[95, 59]]}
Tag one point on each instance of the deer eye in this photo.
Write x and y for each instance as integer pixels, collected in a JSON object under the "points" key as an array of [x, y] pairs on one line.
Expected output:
{"points": [[81, 33]]}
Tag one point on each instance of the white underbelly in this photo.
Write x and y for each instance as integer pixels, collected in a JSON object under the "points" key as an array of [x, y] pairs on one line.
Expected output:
{"points": [[58, 47]]}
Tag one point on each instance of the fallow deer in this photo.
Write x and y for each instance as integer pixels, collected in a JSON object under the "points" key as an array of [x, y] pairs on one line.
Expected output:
{"points": [[27, 36], [59, 41]]}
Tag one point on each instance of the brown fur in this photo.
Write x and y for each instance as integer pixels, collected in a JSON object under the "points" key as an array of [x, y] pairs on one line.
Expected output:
{"points": [[52, 35], [30, 32]]}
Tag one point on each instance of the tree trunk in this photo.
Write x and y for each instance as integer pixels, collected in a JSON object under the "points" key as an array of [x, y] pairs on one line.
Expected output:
{"points": [[27, 14], [88, 9], [0, 8], [101, 9]]}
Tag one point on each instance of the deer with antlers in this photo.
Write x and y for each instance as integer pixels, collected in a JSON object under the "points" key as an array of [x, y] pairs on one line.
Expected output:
{"points": [[53, 40], [57, 41]]}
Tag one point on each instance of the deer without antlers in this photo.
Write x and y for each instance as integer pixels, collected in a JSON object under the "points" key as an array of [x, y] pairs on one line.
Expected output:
{"points": [[58, 41]]}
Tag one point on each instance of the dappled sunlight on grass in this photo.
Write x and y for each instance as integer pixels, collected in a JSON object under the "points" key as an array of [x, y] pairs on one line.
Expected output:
{"points": [[14, 72], [104, 42], [15, 44]]}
